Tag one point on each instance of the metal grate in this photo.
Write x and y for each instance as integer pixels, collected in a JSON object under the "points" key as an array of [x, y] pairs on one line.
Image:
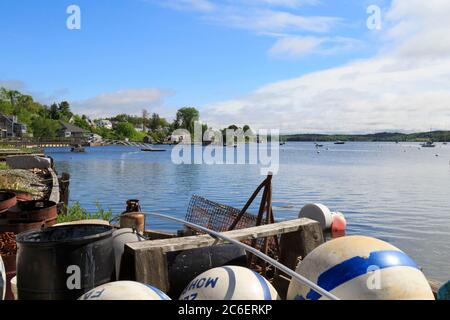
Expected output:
{"points": [[219, 217], [216, 216]]}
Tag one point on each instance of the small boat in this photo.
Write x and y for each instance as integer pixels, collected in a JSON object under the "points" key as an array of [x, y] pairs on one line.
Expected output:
{"points": [[282, 143], [319, 145], [78, 149], [429, 144], [152, 150], [339, 142]]}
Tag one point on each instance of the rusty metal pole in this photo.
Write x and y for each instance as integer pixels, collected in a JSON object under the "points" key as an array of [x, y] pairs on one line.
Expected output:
{"points": [[247, 205], [268, 220], [262, 208]]}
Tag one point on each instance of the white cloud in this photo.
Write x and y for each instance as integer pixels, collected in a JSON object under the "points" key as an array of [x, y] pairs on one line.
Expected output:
{"points": [[297, 47], [44, 98], [405, 87], [194, 5], [267, 20], [293, 4], [296, 33], [12, 84], [130, 101]]}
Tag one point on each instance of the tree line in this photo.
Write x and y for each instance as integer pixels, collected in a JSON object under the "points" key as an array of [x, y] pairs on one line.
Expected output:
{"points": [[44, 121]]}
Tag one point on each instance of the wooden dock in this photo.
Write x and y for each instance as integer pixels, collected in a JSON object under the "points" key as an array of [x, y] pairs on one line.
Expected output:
{"points": [[43, 143]]}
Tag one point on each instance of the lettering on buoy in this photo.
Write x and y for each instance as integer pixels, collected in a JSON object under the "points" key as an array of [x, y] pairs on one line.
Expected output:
{"points": [[229, 283], [203, 282]]}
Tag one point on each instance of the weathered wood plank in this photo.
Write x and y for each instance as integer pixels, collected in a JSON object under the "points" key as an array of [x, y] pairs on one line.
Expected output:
{"points": [[150, 263], [151, 268], [54, 195], [194, 242], [294, 247], [158, 235]]}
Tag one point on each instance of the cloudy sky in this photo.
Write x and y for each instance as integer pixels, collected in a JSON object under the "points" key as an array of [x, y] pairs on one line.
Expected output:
{"points": [[297, 65]]}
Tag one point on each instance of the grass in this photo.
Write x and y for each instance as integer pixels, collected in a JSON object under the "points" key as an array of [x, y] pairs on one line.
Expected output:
{"points": [[20, 149], [76, 213], [3, 166]]}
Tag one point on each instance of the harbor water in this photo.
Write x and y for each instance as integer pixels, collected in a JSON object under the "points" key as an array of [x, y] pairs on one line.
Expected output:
{"points": [[396, 192]]}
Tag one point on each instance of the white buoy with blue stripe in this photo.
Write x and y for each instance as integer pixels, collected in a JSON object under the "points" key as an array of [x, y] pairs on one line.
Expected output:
{"points": [[229, 283], [361, 268], [2, 280], [124, 290]]}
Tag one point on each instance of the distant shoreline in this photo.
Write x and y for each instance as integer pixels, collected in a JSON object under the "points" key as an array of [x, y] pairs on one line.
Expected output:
{"points": [[436, 136]]}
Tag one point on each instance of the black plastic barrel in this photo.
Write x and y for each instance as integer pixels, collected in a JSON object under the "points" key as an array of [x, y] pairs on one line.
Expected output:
{"points": [[184, 266], [63, 263]]}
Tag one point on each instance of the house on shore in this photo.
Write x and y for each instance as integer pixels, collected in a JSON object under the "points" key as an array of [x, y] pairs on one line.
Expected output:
{"points": [[70, 131], [10, 127], [103, 123]]}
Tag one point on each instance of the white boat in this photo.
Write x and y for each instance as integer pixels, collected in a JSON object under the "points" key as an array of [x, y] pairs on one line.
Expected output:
{"points": [[429, 144]]}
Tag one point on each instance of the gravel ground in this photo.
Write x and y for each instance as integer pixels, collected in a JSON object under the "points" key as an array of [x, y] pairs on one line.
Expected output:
{"points": [[32, 181]]}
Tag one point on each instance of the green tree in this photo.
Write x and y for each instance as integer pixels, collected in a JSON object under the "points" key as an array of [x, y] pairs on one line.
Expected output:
{"points": [[45, 128], [64, 111], [53, 112], [186, 118], [81, 122], [125, 130]]}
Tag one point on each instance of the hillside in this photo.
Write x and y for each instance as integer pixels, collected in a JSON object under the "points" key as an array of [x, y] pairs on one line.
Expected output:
{"points": [[438, 136]]}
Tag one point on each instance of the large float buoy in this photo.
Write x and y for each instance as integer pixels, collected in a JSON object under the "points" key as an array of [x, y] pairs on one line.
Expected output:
{"points": [[121, 237], [124, 290], [229, 283], [2, 280], [317, 212], [361, 268], [444, 292]]}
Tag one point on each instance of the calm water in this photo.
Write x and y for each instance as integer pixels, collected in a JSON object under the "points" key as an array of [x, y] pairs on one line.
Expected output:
{"points": [[396, 192]]}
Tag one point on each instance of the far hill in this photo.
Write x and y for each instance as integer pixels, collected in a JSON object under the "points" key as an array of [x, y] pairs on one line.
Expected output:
{"points": [[437, 136]]}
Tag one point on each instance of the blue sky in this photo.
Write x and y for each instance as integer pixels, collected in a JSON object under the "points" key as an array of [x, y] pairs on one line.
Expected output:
{"points": [[166, 54]]}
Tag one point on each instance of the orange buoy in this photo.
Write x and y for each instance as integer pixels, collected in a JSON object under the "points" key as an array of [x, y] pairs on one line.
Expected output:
{"points": [[338, 225]]}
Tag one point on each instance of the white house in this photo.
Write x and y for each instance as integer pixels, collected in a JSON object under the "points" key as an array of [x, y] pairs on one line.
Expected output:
{"points": [[103, 123], [178, 138]]}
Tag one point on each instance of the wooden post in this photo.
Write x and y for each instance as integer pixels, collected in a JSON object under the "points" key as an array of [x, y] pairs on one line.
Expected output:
{"points": [[152, 268], [294, 247], [64, 187]]}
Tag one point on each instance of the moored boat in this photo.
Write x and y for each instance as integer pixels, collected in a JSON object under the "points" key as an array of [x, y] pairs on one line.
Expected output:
{"points": [[78, 148], [429, 144]]}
